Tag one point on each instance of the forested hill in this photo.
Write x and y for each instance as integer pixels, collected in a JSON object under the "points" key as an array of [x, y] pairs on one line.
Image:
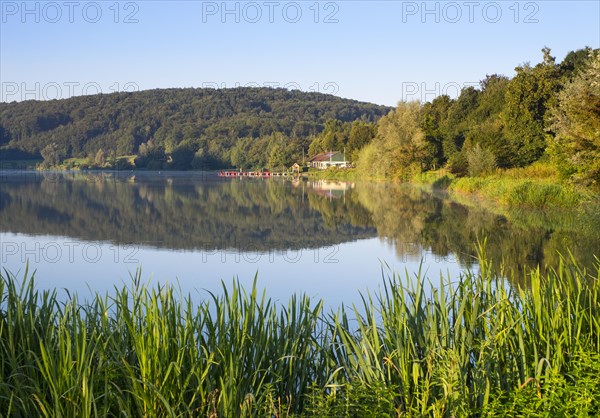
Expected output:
{"points": [[202, 124]]}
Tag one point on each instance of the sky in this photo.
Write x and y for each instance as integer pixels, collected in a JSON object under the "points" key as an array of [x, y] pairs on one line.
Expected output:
{"points": [[374, 51]]}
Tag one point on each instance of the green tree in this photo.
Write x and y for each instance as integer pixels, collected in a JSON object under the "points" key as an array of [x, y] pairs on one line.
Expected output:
{"points": [[182, 156], [434, 122], [487, 127], [52, 155], [492, 97], [151, 156], [576, 121], [490, 135], [279, 156], [399, 150], [458, 122], [481, 161], [361, 134], [100, 158], [126, 144], [240, 153], [574, 62], [334, 137], [201, 160], [528, 97]]}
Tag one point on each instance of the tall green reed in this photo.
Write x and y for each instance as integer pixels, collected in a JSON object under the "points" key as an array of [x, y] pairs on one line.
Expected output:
{"points": [[472, 346], [450, 353], [152, 352]]}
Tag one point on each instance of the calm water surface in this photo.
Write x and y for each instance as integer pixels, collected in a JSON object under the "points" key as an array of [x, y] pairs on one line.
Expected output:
{"points": [[328, 239]]}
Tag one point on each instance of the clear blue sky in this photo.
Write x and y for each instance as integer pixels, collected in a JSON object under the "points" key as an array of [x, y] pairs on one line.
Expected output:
{"points": [[376, 51]]}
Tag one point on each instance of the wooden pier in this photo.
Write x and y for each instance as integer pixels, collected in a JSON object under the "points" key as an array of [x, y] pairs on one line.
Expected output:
{"points": [[261, 174]]}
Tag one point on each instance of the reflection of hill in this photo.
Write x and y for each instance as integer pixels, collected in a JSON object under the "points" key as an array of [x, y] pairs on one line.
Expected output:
{"points": [[187, 211], [177, 211]]}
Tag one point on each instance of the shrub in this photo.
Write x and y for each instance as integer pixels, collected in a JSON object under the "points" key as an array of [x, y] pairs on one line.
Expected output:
{"points": [[480, 161], [458, 164]]}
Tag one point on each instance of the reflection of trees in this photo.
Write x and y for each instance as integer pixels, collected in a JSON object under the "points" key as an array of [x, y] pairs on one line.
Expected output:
{"points": [[409, 215], [180, 213], [184, 213]]}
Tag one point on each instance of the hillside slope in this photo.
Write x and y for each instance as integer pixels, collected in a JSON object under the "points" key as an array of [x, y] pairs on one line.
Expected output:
{"points": [[205, 120]]}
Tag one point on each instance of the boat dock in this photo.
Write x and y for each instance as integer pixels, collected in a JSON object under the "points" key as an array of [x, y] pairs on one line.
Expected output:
{"points": [[233, 173]]}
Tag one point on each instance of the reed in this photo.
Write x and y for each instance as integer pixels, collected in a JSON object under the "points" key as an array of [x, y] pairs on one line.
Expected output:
{"points": [[451, 353], [465, 346], [523, 193]]}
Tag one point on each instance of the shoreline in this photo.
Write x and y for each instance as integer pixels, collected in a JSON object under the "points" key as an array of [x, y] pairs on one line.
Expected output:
{"points": [[504, 189]]}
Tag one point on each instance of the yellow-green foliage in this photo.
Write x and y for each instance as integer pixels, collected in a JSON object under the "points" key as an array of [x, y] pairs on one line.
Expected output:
{"points": [[538, 170], [399, 149], [521, 192], [534, 186]]}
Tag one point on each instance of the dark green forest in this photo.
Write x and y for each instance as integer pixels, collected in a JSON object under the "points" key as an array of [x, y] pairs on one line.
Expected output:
{"points": [[175, 128]]}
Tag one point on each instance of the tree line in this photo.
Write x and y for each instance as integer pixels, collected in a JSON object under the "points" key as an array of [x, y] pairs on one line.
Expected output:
{"points": [[175, 128], [547, 112]]}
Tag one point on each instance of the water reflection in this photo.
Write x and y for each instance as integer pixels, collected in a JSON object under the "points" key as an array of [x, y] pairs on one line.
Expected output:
{"points": [[180, 211], [194, 211]]}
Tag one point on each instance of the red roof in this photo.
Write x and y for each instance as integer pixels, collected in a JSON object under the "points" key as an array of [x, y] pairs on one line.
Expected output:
{"points": [[325, 156]]}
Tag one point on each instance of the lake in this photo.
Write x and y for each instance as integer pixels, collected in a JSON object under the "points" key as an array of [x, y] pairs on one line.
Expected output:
{"points": [[329, 239]]}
